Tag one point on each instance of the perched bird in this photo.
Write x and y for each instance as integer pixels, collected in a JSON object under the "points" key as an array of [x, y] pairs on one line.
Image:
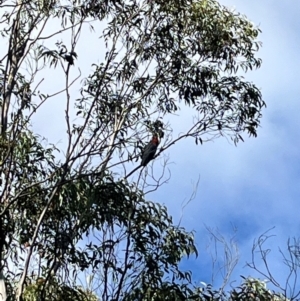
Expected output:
{"points": [[149, 150], [147, 154]]}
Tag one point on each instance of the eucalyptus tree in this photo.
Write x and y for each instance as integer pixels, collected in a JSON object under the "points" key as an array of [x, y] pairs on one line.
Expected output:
{"points": [[77, 206]]}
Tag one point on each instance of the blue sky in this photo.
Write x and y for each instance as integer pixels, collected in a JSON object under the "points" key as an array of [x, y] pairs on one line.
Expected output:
{"points": [[254, 186]]}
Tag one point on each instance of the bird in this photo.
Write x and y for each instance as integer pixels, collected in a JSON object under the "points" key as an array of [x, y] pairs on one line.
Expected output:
{"points": [[150, 150]]}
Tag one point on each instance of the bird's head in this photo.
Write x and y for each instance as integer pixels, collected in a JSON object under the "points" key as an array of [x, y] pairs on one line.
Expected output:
{"points": [[155, 140]]}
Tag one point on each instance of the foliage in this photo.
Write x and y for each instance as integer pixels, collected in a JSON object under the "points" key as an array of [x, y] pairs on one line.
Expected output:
{"points": [[56, 291], [74, 208], [253, 289]]}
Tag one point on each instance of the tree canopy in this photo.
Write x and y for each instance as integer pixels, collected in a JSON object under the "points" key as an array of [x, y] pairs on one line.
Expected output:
{"points": [[81, 207]]}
